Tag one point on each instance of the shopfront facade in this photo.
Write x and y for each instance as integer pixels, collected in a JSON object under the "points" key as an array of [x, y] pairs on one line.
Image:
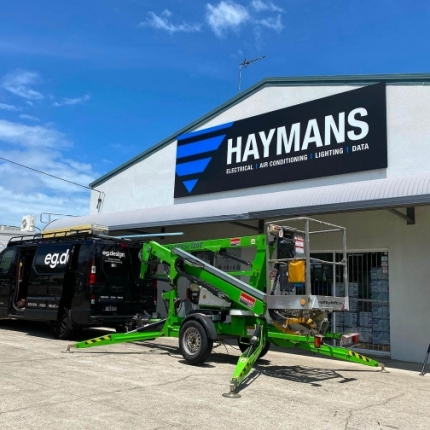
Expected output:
{"points": [[352, 151]]}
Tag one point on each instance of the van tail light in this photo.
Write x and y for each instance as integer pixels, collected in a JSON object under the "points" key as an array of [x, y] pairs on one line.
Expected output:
{"points": [[92, 277], [93, 299]]}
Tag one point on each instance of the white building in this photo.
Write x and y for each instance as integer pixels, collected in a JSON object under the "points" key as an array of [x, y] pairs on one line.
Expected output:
{"points": [[350, 150], [7, 231]]}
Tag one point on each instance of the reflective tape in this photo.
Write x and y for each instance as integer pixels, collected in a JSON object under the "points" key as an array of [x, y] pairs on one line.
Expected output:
{"points": [[97, 339], [359, 356]]}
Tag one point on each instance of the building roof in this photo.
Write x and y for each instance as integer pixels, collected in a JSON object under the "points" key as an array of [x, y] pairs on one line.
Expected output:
{"points": [[391, 79], [384, 193]]}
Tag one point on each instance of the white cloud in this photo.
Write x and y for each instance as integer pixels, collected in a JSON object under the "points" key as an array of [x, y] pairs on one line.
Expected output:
{"points": [[18, 82], [272, 23], [24, 191], [32, 136], [4, 106], [29, 117], [74, 101], [15, 204], [163, 23], [261, 6], [226, 15]]}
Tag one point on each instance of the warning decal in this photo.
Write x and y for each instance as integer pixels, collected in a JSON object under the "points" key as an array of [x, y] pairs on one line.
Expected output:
{"points": [[247, 300], [235, 241]]}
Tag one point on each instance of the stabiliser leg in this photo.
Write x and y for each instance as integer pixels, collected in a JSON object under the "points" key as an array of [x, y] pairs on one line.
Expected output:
{"points": [[307, 343], [246, 361], [141, 333]]}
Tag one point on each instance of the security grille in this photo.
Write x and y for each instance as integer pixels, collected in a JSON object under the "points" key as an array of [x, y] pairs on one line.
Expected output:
{"points": [[369, 304]]}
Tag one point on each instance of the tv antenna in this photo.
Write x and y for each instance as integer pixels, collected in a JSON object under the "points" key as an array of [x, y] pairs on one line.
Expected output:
{"points": [[244, 64]]}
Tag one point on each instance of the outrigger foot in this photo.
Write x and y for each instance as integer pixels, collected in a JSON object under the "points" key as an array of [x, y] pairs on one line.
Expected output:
{"points": [[69, 347], [232, 394], [383, 369]]}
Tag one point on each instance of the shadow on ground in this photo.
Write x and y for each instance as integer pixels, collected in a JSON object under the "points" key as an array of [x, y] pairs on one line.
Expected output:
{"points": [[42, 330]]}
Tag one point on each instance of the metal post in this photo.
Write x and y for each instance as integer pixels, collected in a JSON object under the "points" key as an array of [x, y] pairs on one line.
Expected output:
{"points": [[345, 260], [333, 286], [308, 260]]}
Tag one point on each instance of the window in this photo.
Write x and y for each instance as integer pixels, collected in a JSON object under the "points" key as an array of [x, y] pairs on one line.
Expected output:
{"points": [[6, 260], [369, 303]]}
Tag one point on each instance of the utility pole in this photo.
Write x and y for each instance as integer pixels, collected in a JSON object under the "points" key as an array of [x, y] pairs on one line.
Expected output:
{"points": [[244, 64]]}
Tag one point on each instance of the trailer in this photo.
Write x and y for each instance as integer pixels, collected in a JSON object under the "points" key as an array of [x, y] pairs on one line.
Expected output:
{"points": [[276, 305]]}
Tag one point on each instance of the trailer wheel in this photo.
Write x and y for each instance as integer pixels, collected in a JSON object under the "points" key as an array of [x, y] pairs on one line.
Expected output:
{"points": [[194, 343], [62, 328], [243, 346]]}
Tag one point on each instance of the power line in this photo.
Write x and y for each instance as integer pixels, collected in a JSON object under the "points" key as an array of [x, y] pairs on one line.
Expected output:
{"points": [[101, 193]]}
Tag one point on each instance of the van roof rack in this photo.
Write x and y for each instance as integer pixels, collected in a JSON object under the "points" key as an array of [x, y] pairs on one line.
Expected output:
{"points": [[68, 233], [93, 229]]}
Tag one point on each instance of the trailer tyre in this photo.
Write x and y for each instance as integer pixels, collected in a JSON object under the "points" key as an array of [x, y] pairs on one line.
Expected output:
{"points": [[194, 344], [62, 328], [243, 346]]}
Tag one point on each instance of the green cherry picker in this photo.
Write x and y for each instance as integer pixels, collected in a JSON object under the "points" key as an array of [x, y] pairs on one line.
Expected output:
{"points": [[276, 305]]}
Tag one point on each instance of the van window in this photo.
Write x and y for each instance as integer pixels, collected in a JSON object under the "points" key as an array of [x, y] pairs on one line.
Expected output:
{"points": [[6, 259], [52, 258]]}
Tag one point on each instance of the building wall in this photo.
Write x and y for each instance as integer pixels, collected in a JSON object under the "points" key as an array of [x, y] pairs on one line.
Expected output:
{"points": [[150, 182], [6, 232], [409, 271], [143, 185]]}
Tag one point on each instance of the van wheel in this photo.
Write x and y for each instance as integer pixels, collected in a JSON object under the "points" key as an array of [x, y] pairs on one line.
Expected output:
{"points": [[194, 343], [62, 328], [243, 346]]}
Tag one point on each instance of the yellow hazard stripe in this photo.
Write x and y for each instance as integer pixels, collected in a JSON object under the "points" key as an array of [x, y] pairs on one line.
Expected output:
{"points": [[359, 356], [97, 339]]}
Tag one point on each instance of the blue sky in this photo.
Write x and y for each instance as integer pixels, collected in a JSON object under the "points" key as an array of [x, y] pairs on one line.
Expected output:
{"points": [[87, 85]]}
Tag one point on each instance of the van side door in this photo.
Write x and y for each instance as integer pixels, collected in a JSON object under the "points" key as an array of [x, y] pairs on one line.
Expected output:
{"points": [[7, 276], [46, 281]]}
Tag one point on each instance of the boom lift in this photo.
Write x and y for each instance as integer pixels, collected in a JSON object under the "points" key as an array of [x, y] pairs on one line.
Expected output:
{"points": [[276, 305]]}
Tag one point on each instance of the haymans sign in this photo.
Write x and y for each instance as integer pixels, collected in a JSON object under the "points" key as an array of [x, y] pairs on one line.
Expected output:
{"points": [[335, 135]]}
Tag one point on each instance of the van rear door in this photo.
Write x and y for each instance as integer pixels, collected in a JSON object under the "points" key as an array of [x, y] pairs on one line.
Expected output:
{"points": [[112, 287]]}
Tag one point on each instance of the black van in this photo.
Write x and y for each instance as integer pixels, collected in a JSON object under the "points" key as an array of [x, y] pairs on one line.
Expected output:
{"points": [[74, 281]]}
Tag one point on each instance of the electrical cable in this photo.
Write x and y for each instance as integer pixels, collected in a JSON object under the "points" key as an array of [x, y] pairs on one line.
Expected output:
{"points": [[101, 193]]}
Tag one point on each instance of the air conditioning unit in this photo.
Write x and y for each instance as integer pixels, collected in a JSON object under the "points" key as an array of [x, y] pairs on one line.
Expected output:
{"points": [[27, 223]]}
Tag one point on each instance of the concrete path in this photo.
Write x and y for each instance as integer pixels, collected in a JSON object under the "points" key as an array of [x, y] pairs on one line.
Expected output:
{"points": [[150, 387]]}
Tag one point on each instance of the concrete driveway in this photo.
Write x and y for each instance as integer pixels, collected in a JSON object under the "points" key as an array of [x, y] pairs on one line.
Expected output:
{"points": [[149, 386]]}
